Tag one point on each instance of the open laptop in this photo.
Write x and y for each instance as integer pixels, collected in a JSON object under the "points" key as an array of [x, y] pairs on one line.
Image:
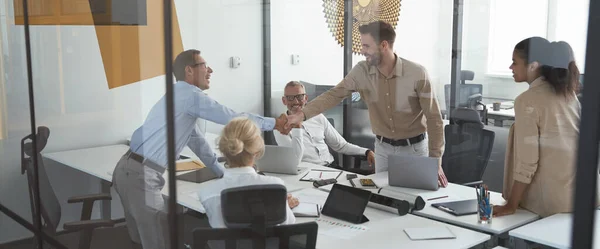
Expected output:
{"points": [[279, 160], [410, 171]]}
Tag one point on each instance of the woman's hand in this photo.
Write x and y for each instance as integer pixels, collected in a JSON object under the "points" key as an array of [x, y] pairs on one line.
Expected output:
{"points": [[292, 201], [504, 210]]}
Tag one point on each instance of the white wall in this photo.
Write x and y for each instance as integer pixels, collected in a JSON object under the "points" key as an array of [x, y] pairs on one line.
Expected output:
{"points": [[299, 27], [75, 103]]}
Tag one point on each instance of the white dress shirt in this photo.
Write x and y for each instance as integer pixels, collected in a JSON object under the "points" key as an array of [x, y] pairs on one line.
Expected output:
{"points": [[311, 142], [210, 195]]}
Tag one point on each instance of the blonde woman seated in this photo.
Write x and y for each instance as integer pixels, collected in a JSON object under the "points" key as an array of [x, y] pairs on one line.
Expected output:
{"points": [[241, 144]]}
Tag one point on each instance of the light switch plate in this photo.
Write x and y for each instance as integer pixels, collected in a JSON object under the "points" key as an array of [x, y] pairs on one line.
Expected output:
{"points": [[235, 62], [295, 59]]}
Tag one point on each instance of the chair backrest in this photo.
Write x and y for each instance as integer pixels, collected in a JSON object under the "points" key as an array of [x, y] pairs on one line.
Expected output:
{"points": [[254, 206], [49, 204], [302, 235], [252, 213], [467, 151], [465, 91]]}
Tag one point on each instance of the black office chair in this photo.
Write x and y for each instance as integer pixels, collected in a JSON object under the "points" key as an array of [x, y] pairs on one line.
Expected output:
{"points": [[356, 160], [49, 205], [468, 148], [253, 213]]}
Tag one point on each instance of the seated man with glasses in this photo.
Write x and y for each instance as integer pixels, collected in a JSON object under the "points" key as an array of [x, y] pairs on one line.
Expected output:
{"points": [[311, 141]]}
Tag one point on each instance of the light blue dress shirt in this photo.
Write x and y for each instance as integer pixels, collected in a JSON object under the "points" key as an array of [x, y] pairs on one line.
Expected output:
{"points": [[150, 140]]}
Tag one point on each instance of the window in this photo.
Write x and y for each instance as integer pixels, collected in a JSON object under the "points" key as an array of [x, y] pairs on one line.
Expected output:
{"points": [[571, 26], [510, 22]]}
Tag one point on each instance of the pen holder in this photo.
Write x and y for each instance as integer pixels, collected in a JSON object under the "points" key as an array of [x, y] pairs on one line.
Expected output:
{"points": [[484, 211]]}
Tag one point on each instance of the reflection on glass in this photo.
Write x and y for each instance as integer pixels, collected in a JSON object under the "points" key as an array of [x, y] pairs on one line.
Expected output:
{"points": [[83, 12]]}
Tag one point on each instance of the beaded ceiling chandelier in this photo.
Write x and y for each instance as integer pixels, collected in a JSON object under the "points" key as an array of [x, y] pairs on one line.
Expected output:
{"points": [[363, 12]]}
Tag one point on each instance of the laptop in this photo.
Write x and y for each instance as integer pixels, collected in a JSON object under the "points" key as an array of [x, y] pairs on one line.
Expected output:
{"points": [[410, 171], [279, 160]]}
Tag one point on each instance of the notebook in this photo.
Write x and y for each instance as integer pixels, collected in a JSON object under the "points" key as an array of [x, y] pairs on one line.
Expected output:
{"points": [[429, 233], [307, 210]]}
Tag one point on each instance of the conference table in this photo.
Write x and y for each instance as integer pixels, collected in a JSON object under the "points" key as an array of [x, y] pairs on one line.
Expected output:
{"points": [[383, 230], [553, 231], [499, 227]]}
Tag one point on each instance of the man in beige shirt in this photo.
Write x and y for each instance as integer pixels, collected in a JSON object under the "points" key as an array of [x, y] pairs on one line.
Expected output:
{"points": [[402, 104]]}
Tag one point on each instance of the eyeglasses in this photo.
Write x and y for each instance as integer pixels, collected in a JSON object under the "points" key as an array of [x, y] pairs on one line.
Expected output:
{"points": [[298, 97], [198, 64]]}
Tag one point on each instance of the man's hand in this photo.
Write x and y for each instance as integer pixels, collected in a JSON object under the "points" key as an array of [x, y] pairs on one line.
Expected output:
{"points": [[294, 120], [280, 124], [292, 201], [371, 158], [504, 210], [442, 181]]}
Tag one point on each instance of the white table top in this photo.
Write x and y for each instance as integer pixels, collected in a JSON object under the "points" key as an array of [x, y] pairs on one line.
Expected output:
{"points": [[97, 161], [457, 192], [554, 231], [502, 112], [386, 230]]}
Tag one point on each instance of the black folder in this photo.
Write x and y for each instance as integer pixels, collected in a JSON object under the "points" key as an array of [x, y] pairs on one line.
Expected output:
{"points": [[198, 176], [458, 208]]}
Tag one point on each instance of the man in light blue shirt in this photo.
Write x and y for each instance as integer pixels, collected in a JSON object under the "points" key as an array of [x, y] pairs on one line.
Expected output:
{"points": [[138, 176]]}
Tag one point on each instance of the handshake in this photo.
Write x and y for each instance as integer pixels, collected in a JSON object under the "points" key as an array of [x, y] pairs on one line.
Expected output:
{"points": [[284, 123]]}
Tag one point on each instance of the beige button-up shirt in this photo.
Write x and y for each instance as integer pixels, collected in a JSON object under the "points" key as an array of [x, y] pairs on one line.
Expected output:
{"points": [[542, 149], [401, 106]]}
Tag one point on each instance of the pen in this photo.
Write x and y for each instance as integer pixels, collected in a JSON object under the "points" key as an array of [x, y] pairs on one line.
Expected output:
{"points": [[352, 182], [321, 174], [435, 198]]}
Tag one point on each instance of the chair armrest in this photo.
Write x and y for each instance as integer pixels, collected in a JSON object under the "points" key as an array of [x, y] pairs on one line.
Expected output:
{"points": [[87, 224], [92, 197], [472, 184]]}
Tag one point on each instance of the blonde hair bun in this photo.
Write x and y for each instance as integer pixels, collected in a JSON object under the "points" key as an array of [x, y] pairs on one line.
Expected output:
{"points": [[241, 142]]}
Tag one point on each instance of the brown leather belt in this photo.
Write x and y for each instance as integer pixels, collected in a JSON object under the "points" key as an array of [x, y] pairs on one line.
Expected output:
{"points": [[402, 142]]}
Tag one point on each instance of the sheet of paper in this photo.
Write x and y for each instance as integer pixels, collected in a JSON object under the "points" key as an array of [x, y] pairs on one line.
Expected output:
{"points": [[315, 175], [427, 233], [311, 196], [306, 210], [341, 230]]}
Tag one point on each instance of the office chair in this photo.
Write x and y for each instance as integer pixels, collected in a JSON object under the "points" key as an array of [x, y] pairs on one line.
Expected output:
{"points": [[254, 213], [49, 205], [355, 160], [468, 148], [469, 95]]}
